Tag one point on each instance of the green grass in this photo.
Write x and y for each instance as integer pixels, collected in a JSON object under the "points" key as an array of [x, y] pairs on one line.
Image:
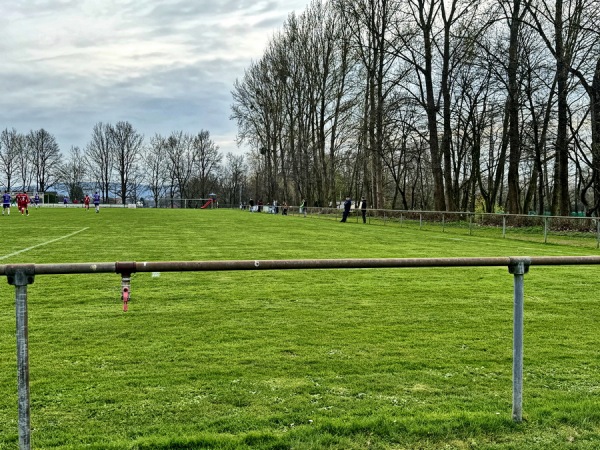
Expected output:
{"points": [[322, 359]]}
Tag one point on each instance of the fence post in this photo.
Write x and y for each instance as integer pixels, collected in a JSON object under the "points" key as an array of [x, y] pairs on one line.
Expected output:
{"points": [[518, 268], [19, 277], [545, 230], [470, 224], [504, 226]]}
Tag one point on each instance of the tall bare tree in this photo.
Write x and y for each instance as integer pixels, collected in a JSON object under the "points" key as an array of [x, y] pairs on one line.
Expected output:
{"points": [[182, 161], [233, 178], [207, 161], [99, 154], [45, 158], [12, 144], [127, 144], [72, 173], [156, 169]]}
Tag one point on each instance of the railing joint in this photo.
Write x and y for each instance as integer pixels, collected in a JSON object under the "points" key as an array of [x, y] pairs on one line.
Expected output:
{"points": [[519, 266], [20, 274]]}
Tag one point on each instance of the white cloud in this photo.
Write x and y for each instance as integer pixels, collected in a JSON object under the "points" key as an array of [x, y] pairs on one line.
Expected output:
{"points": [[162, 65]]}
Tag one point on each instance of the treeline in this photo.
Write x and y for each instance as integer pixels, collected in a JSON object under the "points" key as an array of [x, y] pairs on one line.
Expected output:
{"points": [[428, 104], [119, 162]]}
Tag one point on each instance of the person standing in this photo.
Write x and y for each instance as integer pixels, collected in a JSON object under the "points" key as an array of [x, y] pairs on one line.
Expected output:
{"points": [[284, 209], [36, 200], [303, 207], [347, 206], [65, 201], [363, 209], [86, 202], [22, 202], [97, 201], [251, 205], [6, 203]]}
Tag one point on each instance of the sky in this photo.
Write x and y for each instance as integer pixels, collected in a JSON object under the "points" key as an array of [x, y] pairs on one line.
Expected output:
{"points": [[162, 65]]}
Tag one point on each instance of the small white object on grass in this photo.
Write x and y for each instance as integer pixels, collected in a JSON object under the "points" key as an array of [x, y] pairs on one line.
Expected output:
{"points": [[155, 274]]}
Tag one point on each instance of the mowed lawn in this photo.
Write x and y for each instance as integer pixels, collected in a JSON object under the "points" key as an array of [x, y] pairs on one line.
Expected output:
{"points": [[321, 359]]}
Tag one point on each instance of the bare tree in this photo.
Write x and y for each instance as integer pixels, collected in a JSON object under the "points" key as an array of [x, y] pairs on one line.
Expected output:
{"points": [[127, 144], [45, 158], [24, 171], [72, 173], [374, 43], [207, 159], [12, 144], [181, 158], [233, 178], [563, 27], [99, 154], [155, 167]]}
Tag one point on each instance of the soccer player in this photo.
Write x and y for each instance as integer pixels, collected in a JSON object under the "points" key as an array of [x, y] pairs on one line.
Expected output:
{"points": [[86, 202], [36, 200], [22, 202], [6, 203], [97, 201]]}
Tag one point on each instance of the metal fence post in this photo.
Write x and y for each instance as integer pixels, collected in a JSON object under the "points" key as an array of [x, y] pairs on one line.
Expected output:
{"points": [[518, 268], [20, 277]]}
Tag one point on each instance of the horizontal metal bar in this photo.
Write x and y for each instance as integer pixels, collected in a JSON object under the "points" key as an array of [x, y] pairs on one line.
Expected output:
{"points": [[202, 266]]}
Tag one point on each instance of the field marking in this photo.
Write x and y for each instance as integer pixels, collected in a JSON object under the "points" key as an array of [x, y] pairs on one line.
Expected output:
{"points": [[42, 244]]}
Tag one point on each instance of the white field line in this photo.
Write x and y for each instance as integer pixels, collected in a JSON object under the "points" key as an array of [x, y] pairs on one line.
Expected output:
{"points": [[42, 244]]}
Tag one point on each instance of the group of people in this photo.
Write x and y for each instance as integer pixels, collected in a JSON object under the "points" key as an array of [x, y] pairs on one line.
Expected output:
{"points": [[304, 206], [260, 205], [348, 207], [22, 200], [96, 199]]}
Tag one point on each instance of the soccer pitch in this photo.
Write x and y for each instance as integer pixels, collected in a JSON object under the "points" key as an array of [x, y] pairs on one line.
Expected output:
{"points": [[303, 359]]}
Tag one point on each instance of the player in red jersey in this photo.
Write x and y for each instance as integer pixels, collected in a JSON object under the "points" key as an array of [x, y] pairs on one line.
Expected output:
{"points": [[23, 202], [86, 202]]}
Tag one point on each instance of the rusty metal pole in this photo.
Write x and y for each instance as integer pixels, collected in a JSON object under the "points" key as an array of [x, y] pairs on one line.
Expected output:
{"points": [[125, 269], [518, 268], [20, 277]]}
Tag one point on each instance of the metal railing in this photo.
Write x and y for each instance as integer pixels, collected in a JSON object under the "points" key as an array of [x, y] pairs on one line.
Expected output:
{"points": [[22, 275], [470, 222]]}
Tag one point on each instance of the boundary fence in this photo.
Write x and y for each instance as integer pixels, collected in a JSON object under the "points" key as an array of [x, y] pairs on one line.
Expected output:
{"points": [[22, 275], [545, 227]]}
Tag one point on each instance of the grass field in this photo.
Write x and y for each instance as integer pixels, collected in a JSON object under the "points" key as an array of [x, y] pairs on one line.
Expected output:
{"points": [[322, 359]]}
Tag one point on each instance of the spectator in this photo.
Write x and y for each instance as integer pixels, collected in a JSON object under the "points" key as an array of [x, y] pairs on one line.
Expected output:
{"points": [[347, 206], [363, 209]]}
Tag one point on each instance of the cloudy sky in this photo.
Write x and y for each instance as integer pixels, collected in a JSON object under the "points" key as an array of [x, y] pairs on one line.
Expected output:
{"points": [[162, 65]]}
